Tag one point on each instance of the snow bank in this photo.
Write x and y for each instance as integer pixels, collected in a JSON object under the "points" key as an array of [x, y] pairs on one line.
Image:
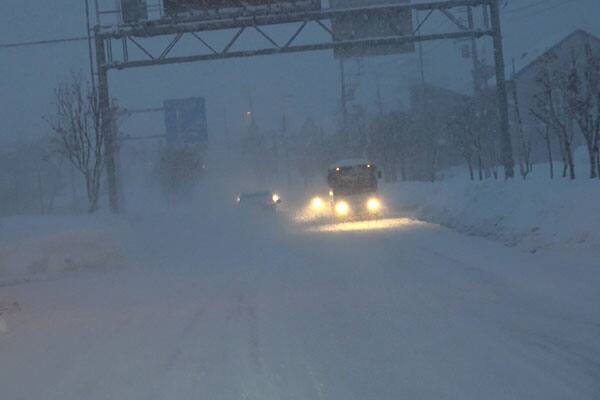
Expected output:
{"points": [[534, 214], [34, 245]]}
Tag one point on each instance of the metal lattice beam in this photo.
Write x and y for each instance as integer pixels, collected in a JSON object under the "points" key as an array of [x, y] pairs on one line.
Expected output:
{"points": [[204, 42], [454, 20], [198, 24], [184, 26], [226, 54]]}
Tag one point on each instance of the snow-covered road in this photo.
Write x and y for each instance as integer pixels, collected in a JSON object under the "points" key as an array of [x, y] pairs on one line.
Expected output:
{"points": [[400, 310]]}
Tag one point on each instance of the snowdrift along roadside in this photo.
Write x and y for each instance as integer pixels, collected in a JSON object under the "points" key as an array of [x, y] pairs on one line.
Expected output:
{"points": [[48, 245], [534, 214]]}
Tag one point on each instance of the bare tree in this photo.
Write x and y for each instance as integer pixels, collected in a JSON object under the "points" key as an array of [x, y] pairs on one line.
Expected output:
{"points": [[77, 133], [465, 136], [553, 106], [492, 154], [310, 150], [584, 97], [525, 145], [390, 143], [488, 134], [404, 142], [544, 132], [428, 129]]}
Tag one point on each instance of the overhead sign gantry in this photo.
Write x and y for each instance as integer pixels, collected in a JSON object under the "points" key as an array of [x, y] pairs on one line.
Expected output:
{"points": [[134, 25]]}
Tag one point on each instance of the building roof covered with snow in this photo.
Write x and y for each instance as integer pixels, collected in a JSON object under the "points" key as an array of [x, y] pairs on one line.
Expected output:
{"points": [[559, 43]]}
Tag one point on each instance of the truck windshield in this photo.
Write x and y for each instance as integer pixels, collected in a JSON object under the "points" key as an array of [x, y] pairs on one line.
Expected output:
{"points": [[352, 180]]}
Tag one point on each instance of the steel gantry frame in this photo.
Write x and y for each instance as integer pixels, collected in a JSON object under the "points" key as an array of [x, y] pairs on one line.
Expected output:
{"points": [[127, 35]]}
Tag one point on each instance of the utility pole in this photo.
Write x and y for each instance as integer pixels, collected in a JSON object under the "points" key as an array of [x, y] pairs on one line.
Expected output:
{"points": [[41, 193], [474, 56], [275, 157], [524, 159], [73, 187], [344, 102], [227, 136], [420, 47], [286, 149], [97, 9], [505, 139], [106, 126], [486, 26], [90, 51], [379, 99], [114, 111], [250, 104]]}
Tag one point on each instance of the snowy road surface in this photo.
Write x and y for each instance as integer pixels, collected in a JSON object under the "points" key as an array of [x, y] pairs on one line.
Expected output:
{"points": [[404, 310]]}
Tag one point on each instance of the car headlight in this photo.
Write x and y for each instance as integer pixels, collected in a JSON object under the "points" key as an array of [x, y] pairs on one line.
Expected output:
{"points": [[373, 205], [342, 208], [317, 204]]}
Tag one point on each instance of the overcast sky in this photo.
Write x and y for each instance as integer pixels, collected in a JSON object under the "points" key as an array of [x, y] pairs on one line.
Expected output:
{"points": [[301, 85]]}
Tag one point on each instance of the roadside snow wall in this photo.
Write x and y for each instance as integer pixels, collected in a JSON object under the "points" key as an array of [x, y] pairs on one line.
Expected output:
{"points": [[47, 245], [533, 214]]}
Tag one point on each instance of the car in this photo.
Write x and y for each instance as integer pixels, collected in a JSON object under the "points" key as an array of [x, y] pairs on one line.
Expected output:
{"points": [[263, 200]]}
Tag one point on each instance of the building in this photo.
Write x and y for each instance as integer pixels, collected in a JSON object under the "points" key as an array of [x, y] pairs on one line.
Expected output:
{"points": [[525, 71]]}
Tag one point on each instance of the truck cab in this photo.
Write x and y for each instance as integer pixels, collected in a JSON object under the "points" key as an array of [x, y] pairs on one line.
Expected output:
{"points": [[353, 188]]}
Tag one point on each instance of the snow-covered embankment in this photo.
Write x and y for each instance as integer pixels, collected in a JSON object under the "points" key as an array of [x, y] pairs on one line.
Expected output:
{"points": [[534, 214], [50, 245]]}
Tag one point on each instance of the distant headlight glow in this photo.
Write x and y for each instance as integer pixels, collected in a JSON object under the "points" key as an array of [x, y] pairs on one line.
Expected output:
{"points": [[276, 198]]}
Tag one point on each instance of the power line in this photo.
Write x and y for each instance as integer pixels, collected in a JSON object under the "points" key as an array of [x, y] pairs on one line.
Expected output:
{"points": [[540, 11], [526, 7], [43, 42]]}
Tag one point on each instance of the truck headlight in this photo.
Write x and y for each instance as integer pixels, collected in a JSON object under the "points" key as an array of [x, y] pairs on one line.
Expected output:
{"points": [[373, 205], [342, 208]]}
